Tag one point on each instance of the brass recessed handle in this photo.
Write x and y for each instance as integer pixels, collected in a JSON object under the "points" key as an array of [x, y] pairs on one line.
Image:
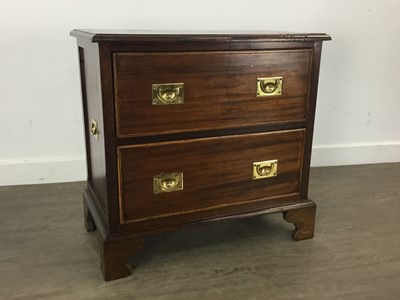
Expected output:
{"points": [[265, 169], [167, 182], [268, 87], [94, 128], [271, 86], [168, 93]]}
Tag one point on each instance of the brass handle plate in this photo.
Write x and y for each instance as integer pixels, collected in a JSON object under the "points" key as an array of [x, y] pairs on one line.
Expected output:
{"points": [[167, 93], [94, 128], [265, 169], [270, 86], [167, 182]]}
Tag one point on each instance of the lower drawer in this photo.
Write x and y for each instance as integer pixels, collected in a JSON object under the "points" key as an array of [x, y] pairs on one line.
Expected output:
{"points": [[164, 179]]}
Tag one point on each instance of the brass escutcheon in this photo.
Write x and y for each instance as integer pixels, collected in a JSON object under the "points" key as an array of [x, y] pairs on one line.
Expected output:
{"points": [[167, 182], [265, 169], [167, 93], [271, 86]]}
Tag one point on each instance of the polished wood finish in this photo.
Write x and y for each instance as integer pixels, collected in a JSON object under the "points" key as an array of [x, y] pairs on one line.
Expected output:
{"points": [[303, 220], [214, 137], [212, 180], [92, 108], [115, 257], [129, 36], [218, 87], [114, 251]]}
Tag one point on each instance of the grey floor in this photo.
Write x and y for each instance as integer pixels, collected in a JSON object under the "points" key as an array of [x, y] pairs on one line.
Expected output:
{"points": [[45, 253]]}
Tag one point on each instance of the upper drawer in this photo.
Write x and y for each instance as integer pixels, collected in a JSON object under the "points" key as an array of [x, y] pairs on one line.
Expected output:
{"points": [[219, 90]]}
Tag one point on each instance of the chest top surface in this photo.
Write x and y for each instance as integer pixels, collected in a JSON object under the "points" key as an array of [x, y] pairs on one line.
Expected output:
{"points": [[123, 35]]}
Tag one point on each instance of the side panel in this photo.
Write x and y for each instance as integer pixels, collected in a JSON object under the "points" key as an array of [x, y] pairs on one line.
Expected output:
{"points": [[312, 101], [93, 109]]}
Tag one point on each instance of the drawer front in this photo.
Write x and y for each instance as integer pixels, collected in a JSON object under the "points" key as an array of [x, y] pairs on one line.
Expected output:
{"points": [[216, 172], [220, 90]]}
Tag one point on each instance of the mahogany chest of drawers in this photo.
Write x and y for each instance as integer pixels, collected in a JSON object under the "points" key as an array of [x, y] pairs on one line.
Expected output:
{"points": [[185, 129]]}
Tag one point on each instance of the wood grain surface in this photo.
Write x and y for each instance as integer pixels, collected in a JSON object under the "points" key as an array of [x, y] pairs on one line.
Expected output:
{"points": [[197, 36], [214, 178], [219, 87], [93, 108]]}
